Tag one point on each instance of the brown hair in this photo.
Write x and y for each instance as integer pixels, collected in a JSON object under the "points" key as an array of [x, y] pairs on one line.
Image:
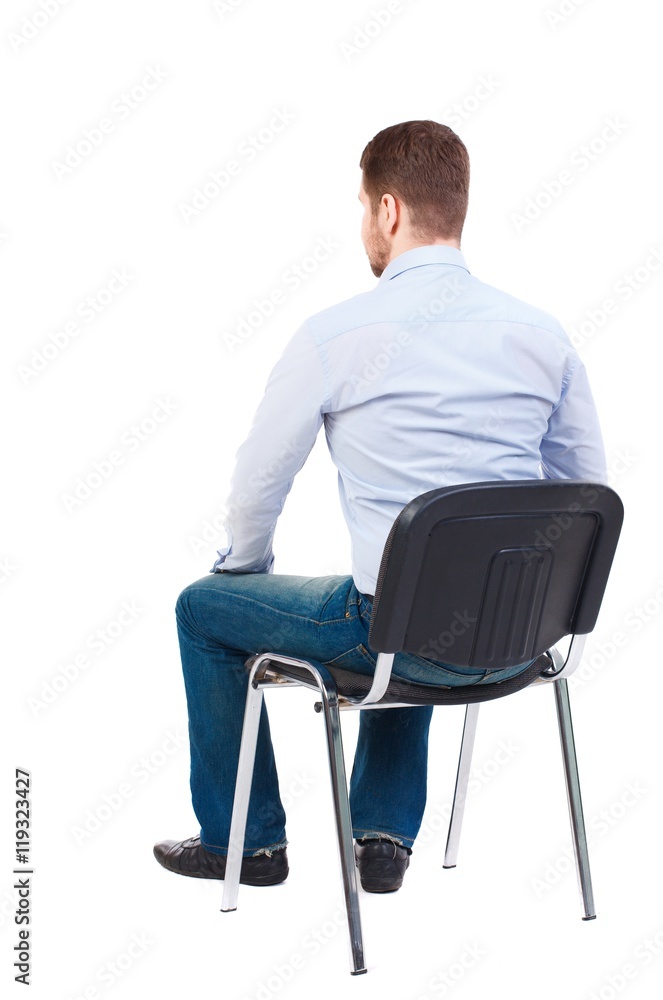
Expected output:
{"points": [[426, 165]]}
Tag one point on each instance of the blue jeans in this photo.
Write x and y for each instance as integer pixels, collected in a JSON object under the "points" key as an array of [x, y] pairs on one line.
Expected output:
{"points": [[224, 618]]}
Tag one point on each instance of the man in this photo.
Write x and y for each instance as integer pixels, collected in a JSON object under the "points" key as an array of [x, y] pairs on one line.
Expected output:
{"points": [[430, 379]]}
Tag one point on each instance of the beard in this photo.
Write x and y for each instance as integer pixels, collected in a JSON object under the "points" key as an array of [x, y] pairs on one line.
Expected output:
{"points": [[378, 252]]}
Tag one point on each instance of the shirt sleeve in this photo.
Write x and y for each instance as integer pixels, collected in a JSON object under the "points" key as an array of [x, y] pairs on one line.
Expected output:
{"points": [[572, 447], [283, 432]]}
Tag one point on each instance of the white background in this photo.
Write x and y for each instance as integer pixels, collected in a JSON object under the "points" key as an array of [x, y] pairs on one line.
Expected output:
{"points": [[526, 89]]}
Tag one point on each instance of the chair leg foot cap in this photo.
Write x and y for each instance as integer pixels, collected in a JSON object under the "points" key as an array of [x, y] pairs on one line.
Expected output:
{"points": [[593, 917]]}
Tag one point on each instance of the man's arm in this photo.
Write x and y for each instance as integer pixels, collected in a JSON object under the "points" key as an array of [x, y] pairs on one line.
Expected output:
{"points": [[573, 446], [283, 432]]}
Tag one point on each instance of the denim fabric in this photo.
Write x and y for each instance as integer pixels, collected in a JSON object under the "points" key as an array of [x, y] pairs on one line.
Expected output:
{"points": [[225, 617]]}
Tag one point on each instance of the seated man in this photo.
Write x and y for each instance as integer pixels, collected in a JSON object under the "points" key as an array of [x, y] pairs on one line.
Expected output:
{"points": [[431, 379]]}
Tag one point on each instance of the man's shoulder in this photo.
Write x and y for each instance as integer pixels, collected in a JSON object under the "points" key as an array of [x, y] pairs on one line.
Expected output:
{"points": [[494, 303], [359, 310], [466, 299]]}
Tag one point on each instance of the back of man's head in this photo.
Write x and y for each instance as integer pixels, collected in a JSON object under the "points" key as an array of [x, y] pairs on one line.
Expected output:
{"points": [[426, 165]]}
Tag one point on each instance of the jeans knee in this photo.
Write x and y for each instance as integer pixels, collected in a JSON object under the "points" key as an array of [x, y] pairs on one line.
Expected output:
{"points": [[186, 605], [182, 604]]}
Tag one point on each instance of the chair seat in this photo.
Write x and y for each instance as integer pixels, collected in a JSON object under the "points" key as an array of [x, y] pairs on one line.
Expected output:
{"points": [[353, 685]]}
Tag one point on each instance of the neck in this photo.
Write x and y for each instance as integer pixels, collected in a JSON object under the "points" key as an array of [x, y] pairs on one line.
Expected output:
{"points": [[400, 246]]}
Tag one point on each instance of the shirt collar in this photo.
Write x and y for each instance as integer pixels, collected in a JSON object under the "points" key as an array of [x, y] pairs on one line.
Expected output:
{"points": [[420, 256]]}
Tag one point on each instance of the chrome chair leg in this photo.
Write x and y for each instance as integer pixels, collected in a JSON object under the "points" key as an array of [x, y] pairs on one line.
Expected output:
{"points": [[343, 819], [462, 778], [280, 669], [573, 795], [247, 753]]}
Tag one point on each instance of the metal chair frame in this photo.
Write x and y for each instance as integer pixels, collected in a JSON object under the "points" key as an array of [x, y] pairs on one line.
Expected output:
{"points": [[268, 670]]}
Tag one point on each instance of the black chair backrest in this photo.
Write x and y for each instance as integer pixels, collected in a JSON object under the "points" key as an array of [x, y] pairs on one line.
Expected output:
{"points": [[493, 574]]}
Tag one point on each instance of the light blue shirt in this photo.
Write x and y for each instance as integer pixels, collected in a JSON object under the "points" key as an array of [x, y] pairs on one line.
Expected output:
{"points": [[431, 379]]}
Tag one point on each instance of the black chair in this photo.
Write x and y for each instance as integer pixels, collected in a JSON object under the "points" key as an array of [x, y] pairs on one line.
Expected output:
{"points": [[522, 565]]}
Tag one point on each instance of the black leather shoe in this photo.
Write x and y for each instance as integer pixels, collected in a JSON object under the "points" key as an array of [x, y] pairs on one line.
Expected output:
{"points": [[381, 864], [189, 857]]}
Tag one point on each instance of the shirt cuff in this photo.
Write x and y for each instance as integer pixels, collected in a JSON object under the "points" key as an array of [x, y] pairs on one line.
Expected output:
{"points": [[222, 553], [218, 566]]}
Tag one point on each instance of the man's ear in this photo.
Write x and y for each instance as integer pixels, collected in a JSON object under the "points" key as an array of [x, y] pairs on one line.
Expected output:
{"points": [[389, 214]]}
